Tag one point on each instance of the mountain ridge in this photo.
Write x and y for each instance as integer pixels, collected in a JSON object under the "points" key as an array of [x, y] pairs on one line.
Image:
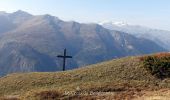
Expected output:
{"points": [[161, 37], [48, 35]]}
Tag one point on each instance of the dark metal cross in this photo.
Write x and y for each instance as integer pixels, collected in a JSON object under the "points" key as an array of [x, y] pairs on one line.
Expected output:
{"points": [[64, 58]]}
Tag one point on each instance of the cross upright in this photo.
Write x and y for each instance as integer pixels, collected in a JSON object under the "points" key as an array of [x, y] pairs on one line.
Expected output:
{"points": [[64, 58]]}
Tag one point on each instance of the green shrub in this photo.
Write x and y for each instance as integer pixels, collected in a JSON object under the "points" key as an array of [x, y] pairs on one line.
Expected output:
{"points": [[158, 65]]}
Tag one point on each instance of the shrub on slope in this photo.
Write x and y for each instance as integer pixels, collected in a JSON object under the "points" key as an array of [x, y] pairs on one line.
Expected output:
{"points": [[158, 65]]}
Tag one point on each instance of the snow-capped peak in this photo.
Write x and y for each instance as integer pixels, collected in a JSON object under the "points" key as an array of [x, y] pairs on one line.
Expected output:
{"points": [[118, 23]]}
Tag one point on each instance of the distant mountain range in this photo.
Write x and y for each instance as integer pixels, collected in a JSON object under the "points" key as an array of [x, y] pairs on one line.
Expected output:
{"points": [[31, 43], [161, 37]]}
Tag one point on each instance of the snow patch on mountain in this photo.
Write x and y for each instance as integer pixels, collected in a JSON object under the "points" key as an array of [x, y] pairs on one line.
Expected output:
{"points": [[117, 23]]}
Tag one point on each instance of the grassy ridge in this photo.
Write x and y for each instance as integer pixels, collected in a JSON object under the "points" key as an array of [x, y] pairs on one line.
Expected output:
{"points": [[112, 76]]}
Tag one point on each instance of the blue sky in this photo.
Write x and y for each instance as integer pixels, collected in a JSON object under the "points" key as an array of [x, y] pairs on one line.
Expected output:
{"points": [[151, 13]]}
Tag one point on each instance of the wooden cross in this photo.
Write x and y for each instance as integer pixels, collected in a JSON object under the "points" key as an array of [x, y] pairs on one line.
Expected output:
{"points": [[64, 58]]}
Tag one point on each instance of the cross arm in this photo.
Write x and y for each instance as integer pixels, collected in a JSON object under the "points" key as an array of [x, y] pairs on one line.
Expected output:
{"points": [[60, 56], [64, 56], [68, 56]]}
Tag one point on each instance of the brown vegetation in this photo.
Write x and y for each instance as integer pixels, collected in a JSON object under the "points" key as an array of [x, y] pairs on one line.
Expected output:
{"points": [[124, 78]]}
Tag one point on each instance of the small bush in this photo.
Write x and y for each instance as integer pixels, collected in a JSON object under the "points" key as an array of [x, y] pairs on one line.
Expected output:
{"points": [[158, 65]]}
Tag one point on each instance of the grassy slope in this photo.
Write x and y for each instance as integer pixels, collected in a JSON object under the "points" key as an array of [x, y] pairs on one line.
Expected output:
{"points": [[115, 75]]}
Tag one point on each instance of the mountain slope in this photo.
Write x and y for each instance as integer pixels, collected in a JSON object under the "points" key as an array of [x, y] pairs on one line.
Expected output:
{"points": [[47, 35], [118, 75], [134, 46], [23, 58], [160, 37]]}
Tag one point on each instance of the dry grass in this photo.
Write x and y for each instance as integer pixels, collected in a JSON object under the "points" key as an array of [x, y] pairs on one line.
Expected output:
{"points": [[120, 77]]}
